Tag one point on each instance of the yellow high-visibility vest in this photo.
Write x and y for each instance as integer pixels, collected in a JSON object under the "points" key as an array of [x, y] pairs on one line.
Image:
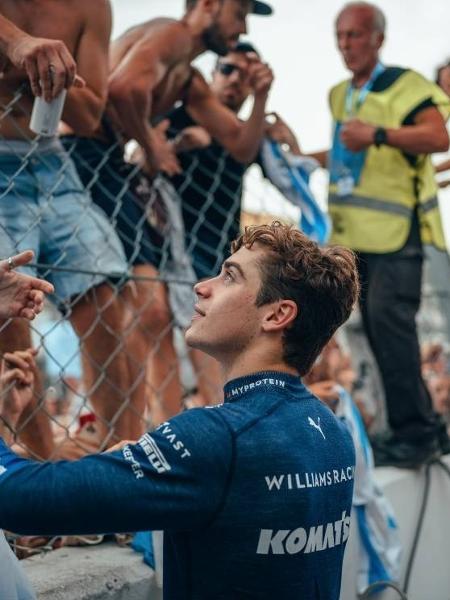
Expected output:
{"points": [[376, 215]]}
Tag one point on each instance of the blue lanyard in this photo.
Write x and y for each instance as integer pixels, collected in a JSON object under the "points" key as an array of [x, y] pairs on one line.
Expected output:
{"points": [[363, 91]]}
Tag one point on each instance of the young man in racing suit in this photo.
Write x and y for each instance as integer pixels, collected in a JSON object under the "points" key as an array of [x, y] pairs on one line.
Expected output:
{"points": [[254, 495]]}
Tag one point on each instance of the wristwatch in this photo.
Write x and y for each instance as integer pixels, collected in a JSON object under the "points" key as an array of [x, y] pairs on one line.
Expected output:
{"points": [[380, 136]]}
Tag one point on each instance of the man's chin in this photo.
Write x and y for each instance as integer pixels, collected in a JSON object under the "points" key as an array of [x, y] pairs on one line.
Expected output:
{"points": [[196, 341], [230, 101], [214, 42], [191, 339], [350, 64]]}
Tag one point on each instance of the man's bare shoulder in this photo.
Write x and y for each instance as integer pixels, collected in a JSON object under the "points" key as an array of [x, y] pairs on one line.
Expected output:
{"points": [[169, 34], [89, 7], [92, 11]]}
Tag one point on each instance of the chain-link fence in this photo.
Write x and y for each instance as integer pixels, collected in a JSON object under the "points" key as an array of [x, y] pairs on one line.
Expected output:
{"points": [[122, 251]]}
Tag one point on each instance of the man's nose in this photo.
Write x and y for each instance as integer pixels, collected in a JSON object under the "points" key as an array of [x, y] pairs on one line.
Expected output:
{"points": [[235, 76], [343, 42], [203, 288]]}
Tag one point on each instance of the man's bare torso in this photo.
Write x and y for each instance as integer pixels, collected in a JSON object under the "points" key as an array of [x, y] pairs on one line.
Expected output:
{"points": [[54, 19], [175, 83]]}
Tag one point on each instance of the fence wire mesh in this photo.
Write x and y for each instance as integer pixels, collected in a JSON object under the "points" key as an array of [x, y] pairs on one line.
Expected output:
{"points": [[122, 251]]}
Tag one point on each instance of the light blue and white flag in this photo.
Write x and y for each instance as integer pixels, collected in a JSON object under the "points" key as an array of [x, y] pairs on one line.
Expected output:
{"points": [[380, 548], [290, 175]]}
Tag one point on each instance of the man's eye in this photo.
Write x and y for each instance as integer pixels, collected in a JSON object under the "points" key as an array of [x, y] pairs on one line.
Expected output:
{"points": [[228, 276]]}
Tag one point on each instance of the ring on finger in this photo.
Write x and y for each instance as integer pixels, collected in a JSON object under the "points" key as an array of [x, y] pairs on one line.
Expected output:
{"points": [[11, 264], [51, 71]]}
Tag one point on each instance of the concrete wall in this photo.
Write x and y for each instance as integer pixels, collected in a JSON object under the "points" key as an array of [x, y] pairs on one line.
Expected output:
{"points": [[105, 572], [430, 579]]}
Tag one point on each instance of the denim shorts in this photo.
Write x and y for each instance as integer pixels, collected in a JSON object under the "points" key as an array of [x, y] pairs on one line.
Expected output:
{"points": [[44, 207]]}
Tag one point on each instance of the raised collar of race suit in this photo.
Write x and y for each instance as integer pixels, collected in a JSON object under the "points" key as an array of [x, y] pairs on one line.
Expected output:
{"points": [[263, 381]]}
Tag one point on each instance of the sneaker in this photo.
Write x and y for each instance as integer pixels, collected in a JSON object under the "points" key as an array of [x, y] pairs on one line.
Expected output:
{"points": [[395, 452]]}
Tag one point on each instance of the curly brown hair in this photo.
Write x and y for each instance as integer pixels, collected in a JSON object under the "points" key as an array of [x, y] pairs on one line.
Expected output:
{"points": [[323, 282]]}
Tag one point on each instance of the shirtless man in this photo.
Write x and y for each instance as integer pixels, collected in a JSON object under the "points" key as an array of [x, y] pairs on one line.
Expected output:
{"points": [[43, 205], [151, 71], [142, 88]]}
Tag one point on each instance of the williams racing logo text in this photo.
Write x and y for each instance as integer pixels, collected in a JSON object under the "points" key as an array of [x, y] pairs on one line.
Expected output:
{"points": [[312, 539], [300, 481]]}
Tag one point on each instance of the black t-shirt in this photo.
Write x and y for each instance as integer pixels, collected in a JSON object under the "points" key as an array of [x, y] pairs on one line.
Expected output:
{"points": [[210, 187]]}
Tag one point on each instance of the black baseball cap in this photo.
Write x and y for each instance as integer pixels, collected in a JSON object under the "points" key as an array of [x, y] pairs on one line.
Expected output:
{"points": [[261, 8]]}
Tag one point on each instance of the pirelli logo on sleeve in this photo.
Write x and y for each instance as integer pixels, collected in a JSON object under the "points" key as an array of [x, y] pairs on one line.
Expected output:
{"points": [[305, 540], [154, 455]]}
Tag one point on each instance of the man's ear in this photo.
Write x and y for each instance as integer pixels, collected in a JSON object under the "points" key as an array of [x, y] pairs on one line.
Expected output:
{"points": [[209, 7], [280, 315], [378, 39]]}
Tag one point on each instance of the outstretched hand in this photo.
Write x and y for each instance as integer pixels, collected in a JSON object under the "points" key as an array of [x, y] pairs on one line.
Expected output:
{"points": [[260, 75], [16, 383], [21, 295], [279, 131], [120, 445], [163, 157], [192, 138]]}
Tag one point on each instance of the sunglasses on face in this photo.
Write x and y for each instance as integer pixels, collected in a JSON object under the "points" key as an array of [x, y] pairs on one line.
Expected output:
{"points": [[226, 69]]}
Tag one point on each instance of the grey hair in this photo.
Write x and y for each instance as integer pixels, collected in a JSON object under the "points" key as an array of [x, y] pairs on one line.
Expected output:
{"points": [[379, 20]]}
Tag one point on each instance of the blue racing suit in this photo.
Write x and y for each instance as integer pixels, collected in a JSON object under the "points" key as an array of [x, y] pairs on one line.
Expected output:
{"points": [[253, 495]]}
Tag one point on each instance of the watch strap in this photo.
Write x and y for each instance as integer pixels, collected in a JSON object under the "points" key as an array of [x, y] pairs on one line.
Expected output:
{"points": [[380, 136]]}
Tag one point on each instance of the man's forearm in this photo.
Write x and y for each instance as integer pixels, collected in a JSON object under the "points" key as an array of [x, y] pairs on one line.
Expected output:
{"points": [[245, 146], [443, 166], [83, 110], [8, 423], [147, 485], [65, 497], [418, 139], [321, 157], [7, 429], [295, 148], [9, 34], [133, 109]]}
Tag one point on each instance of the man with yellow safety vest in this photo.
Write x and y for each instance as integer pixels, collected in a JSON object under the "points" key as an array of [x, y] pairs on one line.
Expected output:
{"points": [[383, 204]]}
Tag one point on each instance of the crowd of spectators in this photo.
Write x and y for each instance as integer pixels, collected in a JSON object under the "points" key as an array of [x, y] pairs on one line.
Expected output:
{"points": [[166, 217]]}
